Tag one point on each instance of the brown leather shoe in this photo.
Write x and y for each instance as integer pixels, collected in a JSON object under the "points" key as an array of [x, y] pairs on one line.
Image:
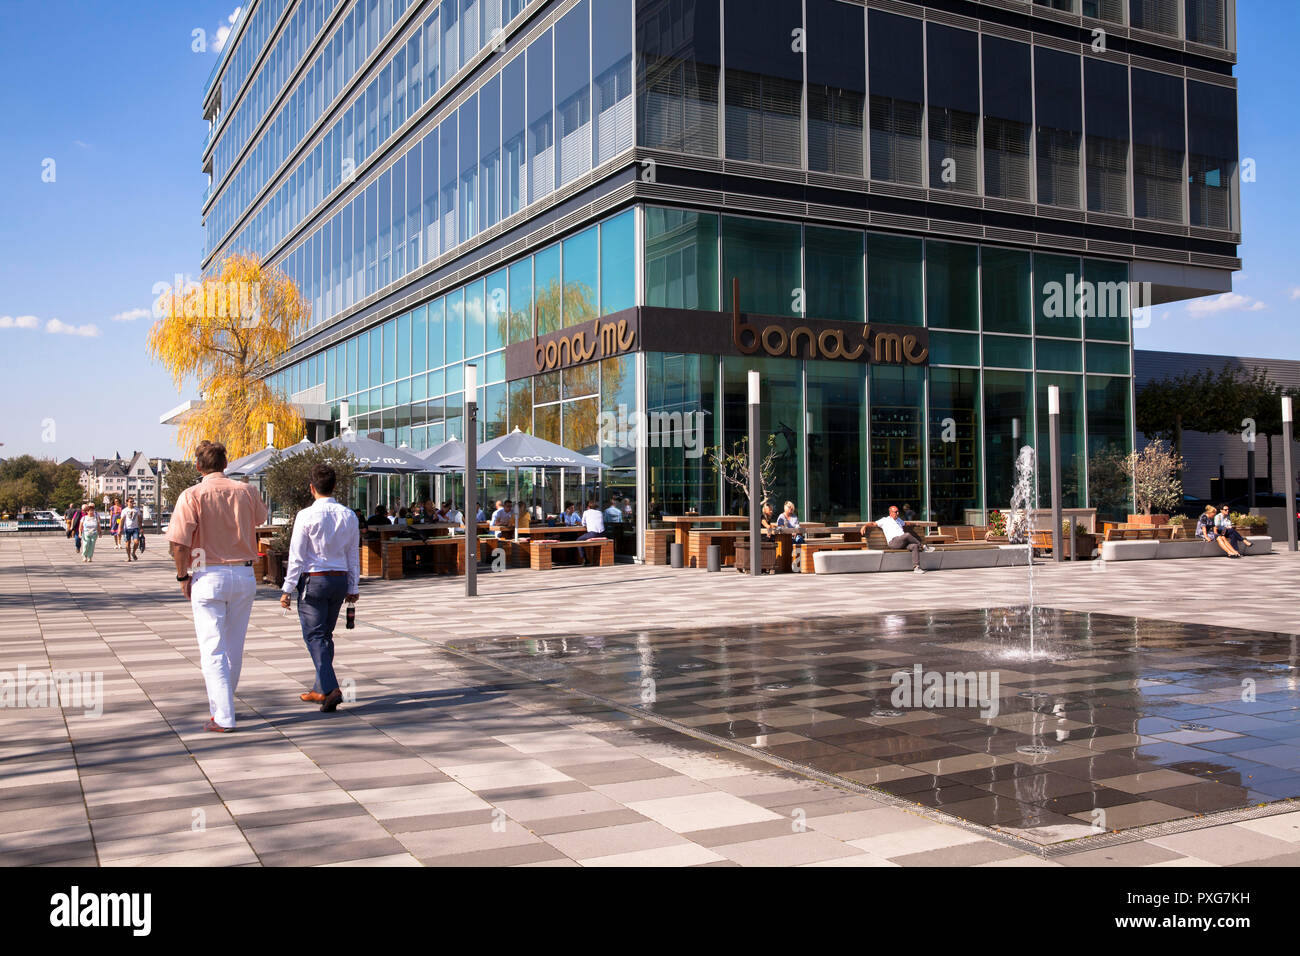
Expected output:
{"points": [[331, 700], [311, 697], [216, 728]]}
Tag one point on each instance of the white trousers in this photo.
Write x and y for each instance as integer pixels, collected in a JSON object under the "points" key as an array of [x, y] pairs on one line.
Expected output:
{"points": [[222, 600]]}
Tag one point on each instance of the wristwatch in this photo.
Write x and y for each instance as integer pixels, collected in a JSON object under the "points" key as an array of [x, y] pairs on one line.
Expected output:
{"points": [[182, 577]]}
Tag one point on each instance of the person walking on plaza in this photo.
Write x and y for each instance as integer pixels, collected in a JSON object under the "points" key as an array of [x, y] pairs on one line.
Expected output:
{"points": [[73, 517], [898, 537], [131, 528], [89, 531], [325, 570], [213, 541], [115, 524]]}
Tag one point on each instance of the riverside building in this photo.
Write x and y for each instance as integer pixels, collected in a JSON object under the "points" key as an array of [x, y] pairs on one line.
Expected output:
{"points": [[929, 213]]}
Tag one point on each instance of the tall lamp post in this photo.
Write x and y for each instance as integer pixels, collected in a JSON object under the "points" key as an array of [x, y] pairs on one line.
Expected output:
{"points": [[755, 486], [1054, 446], [1288, 472], [471, 480]]}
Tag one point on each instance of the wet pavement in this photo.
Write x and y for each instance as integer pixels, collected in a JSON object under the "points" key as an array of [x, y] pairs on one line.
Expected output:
{"points": [[1112, 723]]}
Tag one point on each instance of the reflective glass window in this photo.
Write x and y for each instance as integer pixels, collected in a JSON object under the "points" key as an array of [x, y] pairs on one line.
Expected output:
{"points": [[678, 55], [573, 94], [764, 81], [681, 259], [897, 88], [1008, 119], [953, 109]]}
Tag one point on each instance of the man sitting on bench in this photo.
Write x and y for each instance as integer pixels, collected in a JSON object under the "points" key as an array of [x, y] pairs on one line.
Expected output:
{"points": [[898, 537], [593, 519]]}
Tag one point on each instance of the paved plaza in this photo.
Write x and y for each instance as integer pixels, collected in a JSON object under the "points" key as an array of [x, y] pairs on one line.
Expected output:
{"points": [[507, 732]]}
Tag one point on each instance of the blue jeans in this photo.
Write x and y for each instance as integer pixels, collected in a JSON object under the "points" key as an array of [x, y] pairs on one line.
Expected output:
{"points": [[319, 599]]}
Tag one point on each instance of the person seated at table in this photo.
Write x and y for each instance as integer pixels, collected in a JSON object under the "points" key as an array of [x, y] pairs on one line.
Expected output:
{"points": [[1206, 531], [429, 512], [766, 522], [788, 519], [537, 513], [481, 515], [503, 519], [614, 513], [451, 514], [571, 516], [593, 519], [379, 518], [629, 513], [907, 512], [1223, 522], [403, 517], [898, 537], [361, 525]]}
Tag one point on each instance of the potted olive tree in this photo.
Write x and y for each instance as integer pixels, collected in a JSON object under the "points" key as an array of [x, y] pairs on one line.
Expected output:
{"points": [[288, 480], [1156, 486]]}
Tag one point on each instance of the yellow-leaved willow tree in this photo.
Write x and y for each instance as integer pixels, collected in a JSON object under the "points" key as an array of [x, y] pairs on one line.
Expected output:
{"points": [[225, 332]]}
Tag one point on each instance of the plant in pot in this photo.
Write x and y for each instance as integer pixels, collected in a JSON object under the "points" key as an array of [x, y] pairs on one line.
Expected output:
{"points": [[1156, 486], [1248, 524], [288, 484], [997, 527]]}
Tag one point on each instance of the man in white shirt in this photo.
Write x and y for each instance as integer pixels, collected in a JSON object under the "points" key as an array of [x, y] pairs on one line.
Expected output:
{"points": [[593, 521], [130, 519], [325, 570], [897, 536], [451, 514]]}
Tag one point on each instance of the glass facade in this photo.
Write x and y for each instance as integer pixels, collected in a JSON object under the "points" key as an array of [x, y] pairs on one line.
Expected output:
{"points": [[439, 180]]}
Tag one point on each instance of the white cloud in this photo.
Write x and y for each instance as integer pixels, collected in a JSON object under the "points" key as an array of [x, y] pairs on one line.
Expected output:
{"points": [[19, 322], [1295, 294], [130, 315], [1228, 302], [55, 327], [223, 31]]}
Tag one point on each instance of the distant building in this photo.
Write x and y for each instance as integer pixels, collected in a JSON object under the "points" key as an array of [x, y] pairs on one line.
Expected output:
{"points": [[120, 477], [1204, 454]]}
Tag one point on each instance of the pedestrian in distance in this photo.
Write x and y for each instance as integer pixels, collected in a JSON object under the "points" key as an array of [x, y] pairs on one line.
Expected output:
{"points": [[89, 531], [130, 520]]}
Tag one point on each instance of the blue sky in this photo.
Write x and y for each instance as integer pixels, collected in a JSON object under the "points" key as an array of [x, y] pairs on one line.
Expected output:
{"points": [[111, 92]]}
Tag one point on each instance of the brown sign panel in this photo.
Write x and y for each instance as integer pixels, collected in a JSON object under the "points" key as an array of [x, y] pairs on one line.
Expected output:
{"points": [[591, 341], [721, 333], [652, 329]]}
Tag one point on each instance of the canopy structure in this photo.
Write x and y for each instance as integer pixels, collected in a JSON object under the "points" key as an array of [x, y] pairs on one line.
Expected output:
{"points": [[252, 464], [376, 458], [521, 450], [436, 458]]}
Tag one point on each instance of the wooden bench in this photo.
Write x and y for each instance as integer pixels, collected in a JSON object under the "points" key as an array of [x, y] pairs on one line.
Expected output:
{"points": [[438, 556], [657, 545], [698, 541], [372, 556], [541, 551]]}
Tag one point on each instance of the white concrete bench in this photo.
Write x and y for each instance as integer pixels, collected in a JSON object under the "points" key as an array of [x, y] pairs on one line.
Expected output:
{"points": [[1179, 548], [867, 561]]}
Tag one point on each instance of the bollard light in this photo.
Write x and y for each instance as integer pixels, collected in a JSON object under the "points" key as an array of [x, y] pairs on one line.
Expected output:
{"points": [[1053, 400], [270, 434], [753, 387]]}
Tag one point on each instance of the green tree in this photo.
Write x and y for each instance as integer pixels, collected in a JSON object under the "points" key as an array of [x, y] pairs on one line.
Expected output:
{"points": [[288, 480], [179, 476]]}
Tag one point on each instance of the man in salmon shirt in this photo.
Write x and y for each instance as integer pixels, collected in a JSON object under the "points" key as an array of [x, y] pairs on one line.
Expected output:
{"points": [[213, 541]]}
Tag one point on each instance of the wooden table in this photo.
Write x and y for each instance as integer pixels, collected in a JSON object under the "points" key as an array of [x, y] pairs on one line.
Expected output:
{"points": [[699, 539], [683, 523]]}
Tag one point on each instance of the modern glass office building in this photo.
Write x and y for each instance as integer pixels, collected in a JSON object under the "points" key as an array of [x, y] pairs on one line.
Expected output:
{"points": [[912, 218]]}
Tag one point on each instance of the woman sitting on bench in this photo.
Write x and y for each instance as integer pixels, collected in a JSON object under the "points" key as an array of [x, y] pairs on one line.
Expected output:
{"points": [[1206, 530]]}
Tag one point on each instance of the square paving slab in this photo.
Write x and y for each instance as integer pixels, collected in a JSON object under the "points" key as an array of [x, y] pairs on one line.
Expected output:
{"points": [[1099, 723]]}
